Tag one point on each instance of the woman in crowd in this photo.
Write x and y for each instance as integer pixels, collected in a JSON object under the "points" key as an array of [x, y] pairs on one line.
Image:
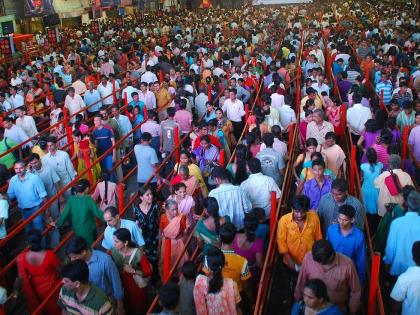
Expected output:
{"points": [[369, 137], [38, 272], [315, 300], [106, 190], [207, 229], [54, 112], [238, 168], [173, 225], [79, 125], [81, 211], [247, 245], [207, 156], [191, 182], [135, 271], [210, 113], [194, 170], [214, 294], [146, 214], [333, 113], [226, 126], [81, 145], [186, 203], [305, 158]]}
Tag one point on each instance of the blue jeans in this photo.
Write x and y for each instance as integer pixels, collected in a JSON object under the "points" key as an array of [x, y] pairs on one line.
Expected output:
{"points": [[37, 223], [106, 164]]}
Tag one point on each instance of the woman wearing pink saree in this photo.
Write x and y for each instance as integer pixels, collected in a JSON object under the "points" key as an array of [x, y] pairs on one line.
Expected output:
{"points": [[172, 226], [186, 203]]}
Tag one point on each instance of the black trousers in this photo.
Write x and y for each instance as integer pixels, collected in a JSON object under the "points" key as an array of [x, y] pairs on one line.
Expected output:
{"points": [[238, 127]]}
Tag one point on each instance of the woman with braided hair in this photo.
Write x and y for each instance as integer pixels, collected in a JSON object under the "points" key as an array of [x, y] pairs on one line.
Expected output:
{"points": [[214, 294]]}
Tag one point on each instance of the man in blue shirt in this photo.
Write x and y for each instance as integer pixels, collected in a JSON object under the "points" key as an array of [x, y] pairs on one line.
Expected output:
{"points": [[349, 240], [114, 222], [404, 231], [147, 161], [104, 140], [318, 186], [92, 97], [136, 102], [30, 193], [103, 272]]}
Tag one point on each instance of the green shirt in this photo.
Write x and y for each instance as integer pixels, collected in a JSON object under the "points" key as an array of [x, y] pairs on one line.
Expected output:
{"points": [[82, 210], [9, 158], [95, 303]]}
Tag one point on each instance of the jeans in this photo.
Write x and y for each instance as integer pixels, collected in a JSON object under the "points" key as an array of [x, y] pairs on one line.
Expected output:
{"points": [[37, 223], [54, 235], [106, 164]]}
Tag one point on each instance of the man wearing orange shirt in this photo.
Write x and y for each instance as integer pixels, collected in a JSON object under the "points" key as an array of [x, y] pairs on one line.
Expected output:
{"points": [[163, 100], [297, 232]]}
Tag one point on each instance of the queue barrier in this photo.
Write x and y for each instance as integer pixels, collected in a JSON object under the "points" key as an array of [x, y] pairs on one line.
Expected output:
{"points": [[122, 209]]}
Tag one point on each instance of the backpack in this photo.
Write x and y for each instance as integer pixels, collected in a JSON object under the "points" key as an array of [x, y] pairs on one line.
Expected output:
{"points": [[393, 184]]}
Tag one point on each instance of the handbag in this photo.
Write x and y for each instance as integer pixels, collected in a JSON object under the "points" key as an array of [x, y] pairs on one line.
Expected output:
{"points": [[140, 281], [393, 184]]}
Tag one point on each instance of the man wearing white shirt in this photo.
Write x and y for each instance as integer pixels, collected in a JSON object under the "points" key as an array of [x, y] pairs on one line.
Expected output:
{"points": [[200, 102], [207, 62], [357, 115], [60, 162], [16, 99], [105, 90], [287, 117], [318, 54], [79, 86], [277, 100], [73, 102], [4, 103], [196, 67], [320, 86], [15, 81], [217, 71], [278, 145], [146, 96], [128, 90], [15, 132], [125, 125], [234, 110], [258, 187], [149, 76], [27, 123]]}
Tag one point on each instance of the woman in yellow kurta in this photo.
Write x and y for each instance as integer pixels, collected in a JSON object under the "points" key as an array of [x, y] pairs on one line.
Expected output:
{"points": [[185, 159]]}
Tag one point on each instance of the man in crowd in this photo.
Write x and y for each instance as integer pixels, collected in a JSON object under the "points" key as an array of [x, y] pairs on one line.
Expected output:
{"points": [[338, 273], [272, 162], [296, 233], [114, 222]]}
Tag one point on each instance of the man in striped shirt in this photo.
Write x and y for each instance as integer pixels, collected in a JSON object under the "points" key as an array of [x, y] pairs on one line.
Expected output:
{"points": [[78, 296], [385, 85]]}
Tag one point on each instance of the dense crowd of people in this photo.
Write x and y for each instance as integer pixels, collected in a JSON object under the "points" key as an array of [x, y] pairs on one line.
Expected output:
{"points": [[202, 108]]}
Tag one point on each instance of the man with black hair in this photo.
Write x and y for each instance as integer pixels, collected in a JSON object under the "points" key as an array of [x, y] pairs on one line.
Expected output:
{"points": [[258, 187], [147, 160], [297, 231], [186, 285], [60, 162], [330, 203], [338, 273], [406, 289], [272, 162], [78, 295], [349, 240], [152, 127], [169, 298], [146, 96], [318, 186], [404, 231], [335, 156], [114, 222], [103, 272], [234, 109], [236, 266], [232, 199], [167, 135]]}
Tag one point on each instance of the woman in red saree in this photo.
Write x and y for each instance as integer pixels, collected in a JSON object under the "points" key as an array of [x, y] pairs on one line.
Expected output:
{"points": [[39, 274], [135, 270], [172, 226]]}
